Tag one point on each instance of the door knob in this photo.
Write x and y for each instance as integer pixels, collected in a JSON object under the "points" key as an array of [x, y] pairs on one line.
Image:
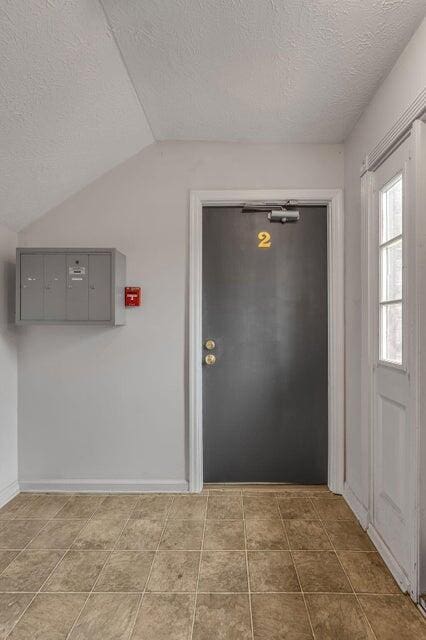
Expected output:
{"points": [[210, 344], [210, 359]]}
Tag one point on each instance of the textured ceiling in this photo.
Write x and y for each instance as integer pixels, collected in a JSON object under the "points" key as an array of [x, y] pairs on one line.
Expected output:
{"points": [[68, 110], [260, 70], [269, 70]]}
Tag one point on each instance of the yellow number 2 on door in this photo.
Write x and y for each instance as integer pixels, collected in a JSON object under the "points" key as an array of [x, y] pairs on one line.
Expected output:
{"points": [[264, 240]]}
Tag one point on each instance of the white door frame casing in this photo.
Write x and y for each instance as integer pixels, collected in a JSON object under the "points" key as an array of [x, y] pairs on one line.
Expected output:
{"points": [[410, 124], [372, 364], [333, 199]]}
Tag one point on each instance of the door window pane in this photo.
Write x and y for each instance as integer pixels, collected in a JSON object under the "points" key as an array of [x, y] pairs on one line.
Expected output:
{"points": [[391, 272], [391, 223], [391, 332], [391, 268]]}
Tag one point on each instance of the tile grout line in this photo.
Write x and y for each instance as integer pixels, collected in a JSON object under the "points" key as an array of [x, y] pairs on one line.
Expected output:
{"points": [[343, 569], [103, 566], [141, 599], [26, 547], [247, 566], [330, 593], [296, 571], [191, 632], [197, 550], [15, 515], [50, 573]]}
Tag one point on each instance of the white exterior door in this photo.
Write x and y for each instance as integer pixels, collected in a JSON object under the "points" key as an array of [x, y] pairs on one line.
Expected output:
{"points": [[392, 316]]}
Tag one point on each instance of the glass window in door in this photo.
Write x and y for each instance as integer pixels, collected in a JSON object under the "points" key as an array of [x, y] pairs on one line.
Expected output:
{"points": [[390, 272]]}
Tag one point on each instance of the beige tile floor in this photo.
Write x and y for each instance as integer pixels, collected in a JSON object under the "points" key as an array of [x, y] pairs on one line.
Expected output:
{"points": [[235, 563]]}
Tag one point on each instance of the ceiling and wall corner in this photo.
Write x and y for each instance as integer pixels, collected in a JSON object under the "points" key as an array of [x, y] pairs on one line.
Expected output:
{"points": [[68, 110]]}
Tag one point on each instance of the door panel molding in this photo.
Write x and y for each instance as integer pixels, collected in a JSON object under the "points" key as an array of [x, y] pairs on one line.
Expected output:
{"points": [[333, 199]]}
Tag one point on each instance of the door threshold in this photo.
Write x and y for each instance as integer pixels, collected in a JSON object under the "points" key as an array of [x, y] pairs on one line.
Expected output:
{"points": [[269, 485]]}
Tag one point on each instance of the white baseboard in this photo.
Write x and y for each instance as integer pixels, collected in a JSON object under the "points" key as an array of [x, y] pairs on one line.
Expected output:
{"points": [[389, 560], [9, 492], [104, 486], [356, 505]]}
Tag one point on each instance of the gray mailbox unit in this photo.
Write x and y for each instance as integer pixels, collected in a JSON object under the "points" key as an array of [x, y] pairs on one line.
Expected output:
{"points": [[70, 286]]}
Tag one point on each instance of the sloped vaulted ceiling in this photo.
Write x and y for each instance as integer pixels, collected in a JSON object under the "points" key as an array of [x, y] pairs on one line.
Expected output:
{"points": [[68, 110], [78, 76], [259, 70]]}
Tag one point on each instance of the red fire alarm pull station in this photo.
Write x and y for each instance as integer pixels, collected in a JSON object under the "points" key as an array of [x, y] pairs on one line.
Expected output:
{"points": [[133, 296]]}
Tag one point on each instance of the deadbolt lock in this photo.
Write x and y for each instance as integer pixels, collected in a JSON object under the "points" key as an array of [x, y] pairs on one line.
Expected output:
{"points": [[210, 344], [210, 359]]}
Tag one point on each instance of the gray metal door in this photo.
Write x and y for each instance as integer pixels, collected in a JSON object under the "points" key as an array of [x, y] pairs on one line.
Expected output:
{"points": [[32, 286], [77, 286], [99, 286], [265, 307], [55, 286]]}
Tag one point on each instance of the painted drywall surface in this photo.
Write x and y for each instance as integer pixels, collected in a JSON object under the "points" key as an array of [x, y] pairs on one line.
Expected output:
{"points": [[111, 403], [8, 365], [400, 88], [69, 112], [260, 69]]}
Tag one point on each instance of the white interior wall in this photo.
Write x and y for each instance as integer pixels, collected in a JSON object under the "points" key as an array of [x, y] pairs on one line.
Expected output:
{"points": [[404, 83], [104, 405], [101, 405], [8, 368]]}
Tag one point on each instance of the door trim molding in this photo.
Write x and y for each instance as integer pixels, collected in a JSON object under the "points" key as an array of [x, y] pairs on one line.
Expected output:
{"points": [[396, 134], [333, 199]]}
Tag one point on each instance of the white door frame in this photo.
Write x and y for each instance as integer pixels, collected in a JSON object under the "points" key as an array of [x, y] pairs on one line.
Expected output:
{"points": [[409, 124], [333, 199], [371, 346]]}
